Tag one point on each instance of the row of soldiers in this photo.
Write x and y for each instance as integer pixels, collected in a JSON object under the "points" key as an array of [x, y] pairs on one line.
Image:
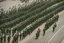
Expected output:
{"points": [[6, 34], [5, 39]]}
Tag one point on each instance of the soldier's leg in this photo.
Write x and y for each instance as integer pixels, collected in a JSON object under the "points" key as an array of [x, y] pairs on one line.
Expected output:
{"points": [[43, 32], [1, 40], [53, 29]]}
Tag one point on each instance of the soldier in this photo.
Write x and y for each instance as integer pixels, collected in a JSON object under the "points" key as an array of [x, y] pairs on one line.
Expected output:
{"points": [[1, 39], [20, 36], [16, 38], [12, 32], [43, 32], [57, 16], [38, 30], [23, 35], [4, 38], [54, 27], [7, 31], [37, 34], [9, 37], [2, 30]]}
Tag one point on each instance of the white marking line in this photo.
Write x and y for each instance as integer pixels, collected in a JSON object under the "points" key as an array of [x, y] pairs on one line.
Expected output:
{"points": [[55, 34]]}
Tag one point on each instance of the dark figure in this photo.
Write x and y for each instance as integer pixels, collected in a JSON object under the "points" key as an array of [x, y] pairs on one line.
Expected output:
{"points": [[43, 32], [16, 38], [9, 37], [1, 39], [12, 32], [57, 16], [20, 36], [5, 39], [2, 31], [38, 33], [54, 27]]}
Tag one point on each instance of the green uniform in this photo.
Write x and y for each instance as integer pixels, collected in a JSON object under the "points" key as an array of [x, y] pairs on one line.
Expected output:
{"points": [[14, 40], [54, 27], [4, 38], [38, 33], [17, 38], [20, 36], [9, 37], [43, 32], [1, 39]]}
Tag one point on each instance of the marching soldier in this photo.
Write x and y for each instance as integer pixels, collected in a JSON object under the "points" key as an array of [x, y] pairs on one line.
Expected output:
{"points": [[20, 36], [12, 32], [9, 37], [7, 31], [57, 16], [54, 27], [23, 34], [4, 38], [2, 30], [43, 32], [38, 30], [16, 38], [37, 34], [1, 39]]}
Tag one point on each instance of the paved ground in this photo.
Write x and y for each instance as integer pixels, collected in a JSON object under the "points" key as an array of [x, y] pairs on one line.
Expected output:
{"points": [[9, 4], [62, 41], [49, 37]]}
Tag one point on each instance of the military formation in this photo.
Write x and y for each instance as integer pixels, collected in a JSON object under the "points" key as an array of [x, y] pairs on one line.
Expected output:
{"points": [[8, 35], [8, 38]]}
